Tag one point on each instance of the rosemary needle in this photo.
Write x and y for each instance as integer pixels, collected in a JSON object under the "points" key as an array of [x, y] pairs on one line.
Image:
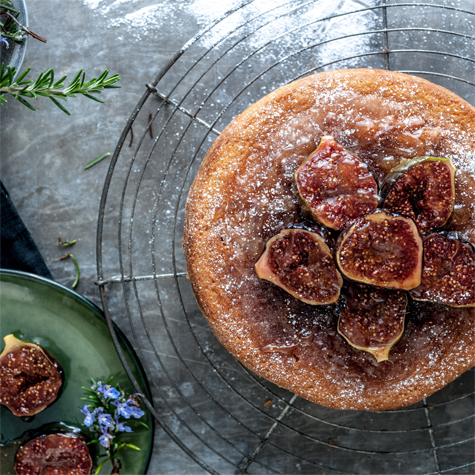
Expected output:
{"points": [[96, 160], [76, 282], [78, 274]]}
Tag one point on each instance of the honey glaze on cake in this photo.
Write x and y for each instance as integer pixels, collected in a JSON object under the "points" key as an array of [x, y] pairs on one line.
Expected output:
{"points": [[243, 195]]}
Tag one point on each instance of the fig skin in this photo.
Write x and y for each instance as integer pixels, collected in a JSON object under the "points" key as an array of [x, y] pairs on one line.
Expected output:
{"points": [[423, 189], [60, 454], [335, 188], [448, 273], [31, 378], [372, 319], [381, 249], [312, 269]]}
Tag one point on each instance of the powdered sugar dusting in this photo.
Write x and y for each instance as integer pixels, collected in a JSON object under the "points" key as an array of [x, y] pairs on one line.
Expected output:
{"points": [[290, 24], [245, 195]]}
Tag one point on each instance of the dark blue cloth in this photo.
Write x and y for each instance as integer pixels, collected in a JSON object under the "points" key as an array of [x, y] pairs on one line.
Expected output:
{"points": [[18, 251]]}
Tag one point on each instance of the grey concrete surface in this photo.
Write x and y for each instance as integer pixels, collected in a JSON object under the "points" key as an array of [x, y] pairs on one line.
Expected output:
{"points": [[43, 154]]}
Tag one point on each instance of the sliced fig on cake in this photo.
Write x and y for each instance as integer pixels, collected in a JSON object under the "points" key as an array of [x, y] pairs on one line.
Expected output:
{"points": [[381, 249], [422, 189], [334, 186], [301, 263], [31, 377], [371, 318], [327, 234], [61, 454], [448, 272]]}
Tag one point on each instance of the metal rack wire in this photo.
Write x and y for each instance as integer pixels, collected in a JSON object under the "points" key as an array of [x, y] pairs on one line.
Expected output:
{"points": [[224, 417]]}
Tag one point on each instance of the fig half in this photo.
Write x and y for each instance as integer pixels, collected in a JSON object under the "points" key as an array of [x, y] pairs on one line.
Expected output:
{"points": [[372, 319], [448, 273], [422, 189], [301, 263], [31, 378], [59, 454], [334, 186], [381, 249]]}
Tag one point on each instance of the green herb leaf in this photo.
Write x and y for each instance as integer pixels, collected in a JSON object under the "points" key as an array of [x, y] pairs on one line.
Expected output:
{"points": [[76, 282], [88, 390], [98, 469], [132, 446], [67, 244], [59, 105], [96, 160]]}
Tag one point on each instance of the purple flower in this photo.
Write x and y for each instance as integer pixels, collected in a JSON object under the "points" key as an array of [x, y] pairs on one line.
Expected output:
{"points": [[4, 40], [123, 408], [105, 439], [111, 393], [107, 391], [121, 427], [136, 412], [89, 419], [105, 420]]}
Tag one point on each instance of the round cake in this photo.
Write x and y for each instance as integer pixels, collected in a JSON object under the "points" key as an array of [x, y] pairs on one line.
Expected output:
{"points": [[244, 194]]}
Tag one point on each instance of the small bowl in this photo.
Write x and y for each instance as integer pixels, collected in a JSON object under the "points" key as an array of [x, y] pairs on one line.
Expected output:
{"points": [[15, 54]]}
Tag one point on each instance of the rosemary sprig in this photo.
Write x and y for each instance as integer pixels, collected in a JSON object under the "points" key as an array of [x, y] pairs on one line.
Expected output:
{"points": [[46, 86]]}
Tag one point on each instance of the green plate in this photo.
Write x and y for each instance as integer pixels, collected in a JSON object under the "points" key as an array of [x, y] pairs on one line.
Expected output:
{"points": [[75, 332]]}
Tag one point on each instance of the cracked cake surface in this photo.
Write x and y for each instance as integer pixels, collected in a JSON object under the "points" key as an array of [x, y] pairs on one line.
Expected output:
{"points": [[243, 195]]}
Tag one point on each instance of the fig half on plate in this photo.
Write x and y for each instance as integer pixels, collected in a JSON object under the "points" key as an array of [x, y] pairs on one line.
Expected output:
{"points": [[448, 274], [301, 263], [31, 377], [422, 189], [372, 319], [334, 186], [59, 454], [381, 249]]}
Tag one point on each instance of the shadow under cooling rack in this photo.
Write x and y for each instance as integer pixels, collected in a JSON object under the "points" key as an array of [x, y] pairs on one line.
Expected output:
{"points": [[227, 419]]}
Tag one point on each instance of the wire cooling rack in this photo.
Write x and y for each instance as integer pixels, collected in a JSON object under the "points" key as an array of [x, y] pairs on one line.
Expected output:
{"points": [[227, 419]]}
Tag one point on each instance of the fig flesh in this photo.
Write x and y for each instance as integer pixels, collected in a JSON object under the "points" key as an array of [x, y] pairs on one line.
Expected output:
{"points": [[422, 189], [381, 249], [448, 273], [372, 319], [31, 378], [301, 263], [59, 454], [334, 186], [327, 234]]}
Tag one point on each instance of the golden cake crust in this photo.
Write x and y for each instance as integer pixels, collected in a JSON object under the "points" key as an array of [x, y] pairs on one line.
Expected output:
{"points": [[243, 194]]}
